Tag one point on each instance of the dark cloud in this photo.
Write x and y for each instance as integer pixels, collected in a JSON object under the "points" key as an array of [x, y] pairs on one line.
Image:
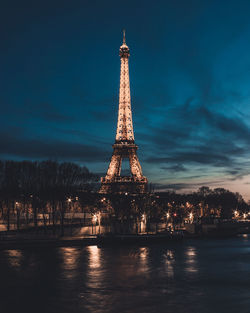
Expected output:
{"points": [[41, 111], [20, 147], [205, 137], [226, 125], [174, 168], [200, 156], [177, 186], [187, 186]]}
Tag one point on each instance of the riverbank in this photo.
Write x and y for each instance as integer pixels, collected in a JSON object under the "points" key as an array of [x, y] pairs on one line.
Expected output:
{"points": [[82, 241], [42, 242], [77, 236]]}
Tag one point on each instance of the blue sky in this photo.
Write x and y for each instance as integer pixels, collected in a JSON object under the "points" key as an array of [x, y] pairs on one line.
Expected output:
{"points": [[189, 75]]}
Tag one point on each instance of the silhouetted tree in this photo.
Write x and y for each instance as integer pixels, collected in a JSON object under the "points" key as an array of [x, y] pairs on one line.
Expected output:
{"points": [[43, 186]]}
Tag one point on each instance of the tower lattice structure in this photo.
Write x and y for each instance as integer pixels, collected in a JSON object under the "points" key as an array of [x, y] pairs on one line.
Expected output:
{"points": [[124, 146]]}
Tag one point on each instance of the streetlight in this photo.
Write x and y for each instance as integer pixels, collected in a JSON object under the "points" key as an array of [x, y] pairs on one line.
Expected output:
{"points": [[17, 212], [143, 220], [94, 218], [99, 221]]}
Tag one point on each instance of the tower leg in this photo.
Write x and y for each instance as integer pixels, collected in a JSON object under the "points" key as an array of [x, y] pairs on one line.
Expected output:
{"points": [[114, 166], [135, 165]]}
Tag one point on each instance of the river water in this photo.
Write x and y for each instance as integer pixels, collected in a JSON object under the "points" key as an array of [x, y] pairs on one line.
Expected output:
{"points": [[207, 276]]}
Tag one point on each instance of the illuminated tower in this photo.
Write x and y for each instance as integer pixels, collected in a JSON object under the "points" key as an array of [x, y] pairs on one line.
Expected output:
{"points": [[124, 146]]}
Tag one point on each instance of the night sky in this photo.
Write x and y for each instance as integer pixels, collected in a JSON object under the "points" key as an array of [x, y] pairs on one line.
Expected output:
{"points": [[189, 77]]}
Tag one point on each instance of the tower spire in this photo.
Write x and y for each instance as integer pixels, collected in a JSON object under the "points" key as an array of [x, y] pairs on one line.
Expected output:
{"points": [[124, 37], [124, 131]]}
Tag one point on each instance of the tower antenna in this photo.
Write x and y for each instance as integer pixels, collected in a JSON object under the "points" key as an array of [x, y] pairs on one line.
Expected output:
{"points": [[124, 39]]}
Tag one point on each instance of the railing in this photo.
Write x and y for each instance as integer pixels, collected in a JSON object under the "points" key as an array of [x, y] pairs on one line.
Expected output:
{"points": [[124, 179]]}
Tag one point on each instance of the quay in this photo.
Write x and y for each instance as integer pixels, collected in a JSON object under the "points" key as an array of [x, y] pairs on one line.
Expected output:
{"points": [[81, 241]]}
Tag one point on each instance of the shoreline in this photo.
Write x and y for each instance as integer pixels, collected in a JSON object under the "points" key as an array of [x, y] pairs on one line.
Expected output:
{"points": [[18, 243]]}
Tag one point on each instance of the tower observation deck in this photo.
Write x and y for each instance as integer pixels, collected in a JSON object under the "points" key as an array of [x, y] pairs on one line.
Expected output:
{"points": [[124, 146]]}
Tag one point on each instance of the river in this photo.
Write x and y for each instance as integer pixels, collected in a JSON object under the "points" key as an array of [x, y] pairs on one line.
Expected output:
{"points": [[207, 276]]}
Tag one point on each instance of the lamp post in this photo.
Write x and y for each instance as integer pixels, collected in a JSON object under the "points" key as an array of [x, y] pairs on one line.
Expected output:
{"points": [[94, 220], [17, 215], [99, 222]]}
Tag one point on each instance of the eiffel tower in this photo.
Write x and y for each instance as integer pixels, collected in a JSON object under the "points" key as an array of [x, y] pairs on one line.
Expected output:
{"points": [[124, 146]]}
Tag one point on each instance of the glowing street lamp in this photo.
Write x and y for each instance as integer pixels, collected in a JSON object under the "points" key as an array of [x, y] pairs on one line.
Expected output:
{"points": [[103, 199], [95, 218], [16, 206]]}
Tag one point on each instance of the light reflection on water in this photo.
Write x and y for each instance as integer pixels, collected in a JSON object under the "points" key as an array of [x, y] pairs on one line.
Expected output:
{"points": [[94, 256], [169, 259], [191, 262], [143, 255], [14, 258], [70, 260], [141, 261], [196, 276], [70, 257], [94, 272]]}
